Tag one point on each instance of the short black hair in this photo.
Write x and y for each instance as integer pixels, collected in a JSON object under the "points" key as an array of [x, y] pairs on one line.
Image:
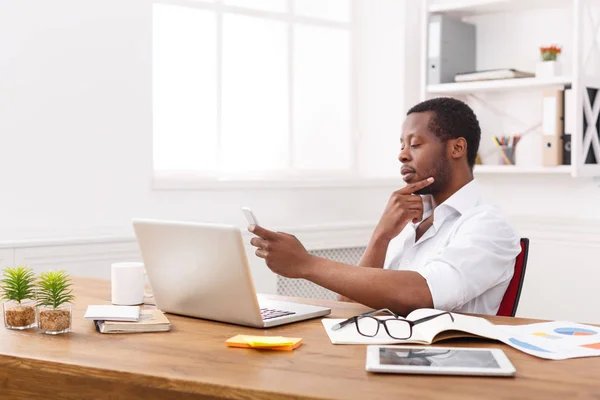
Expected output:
{"points": [[451, 119]]}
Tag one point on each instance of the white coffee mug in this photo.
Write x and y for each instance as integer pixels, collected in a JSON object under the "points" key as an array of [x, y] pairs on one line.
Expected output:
{"points": [[127, 283]]}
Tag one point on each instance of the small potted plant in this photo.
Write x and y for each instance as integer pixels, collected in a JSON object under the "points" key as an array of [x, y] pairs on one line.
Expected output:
{"points": [[18, 289], [54, 295], [548, 66]]}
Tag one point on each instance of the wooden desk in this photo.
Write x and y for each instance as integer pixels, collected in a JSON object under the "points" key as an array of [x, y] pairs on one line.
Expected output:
{"points": [[192, 362]]}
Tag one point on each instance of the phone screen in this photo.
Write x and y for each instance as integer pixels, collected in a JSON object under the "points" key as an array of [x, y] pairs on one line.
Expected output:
{"points": [[250, 216]]}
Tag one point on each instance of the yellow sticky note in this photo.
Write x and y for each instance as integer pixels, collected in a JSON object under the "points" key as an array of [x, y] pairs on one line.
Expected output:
{"points": [[267, 341], [264, 342]]}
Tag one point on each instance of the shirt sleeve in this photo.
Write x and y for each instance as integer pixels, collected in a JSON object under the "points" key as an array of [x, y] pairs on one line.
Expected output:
{"points": [[480, 255], [395, 250]]}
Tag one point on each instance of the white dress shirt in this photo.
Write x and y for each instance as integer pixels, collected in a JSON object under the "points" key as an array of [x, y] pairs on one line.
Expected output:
{"points": [[467, 256]]}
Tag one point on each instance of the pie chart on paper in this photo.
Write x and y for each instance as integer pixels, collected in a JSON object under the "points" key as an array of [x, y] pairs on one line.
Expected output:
{"points": [[575, 331]]}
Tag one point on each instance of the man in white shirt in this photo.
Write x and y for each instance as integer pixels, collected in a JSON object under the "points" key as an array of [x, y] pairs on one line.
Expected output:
{"points": [[437, 244]]}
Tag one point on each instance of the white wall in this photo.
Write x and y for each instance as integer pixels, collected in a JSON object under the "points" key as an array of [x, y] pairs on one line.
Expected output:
{"points": [[75, 123], [75, 118], [382, 94]]}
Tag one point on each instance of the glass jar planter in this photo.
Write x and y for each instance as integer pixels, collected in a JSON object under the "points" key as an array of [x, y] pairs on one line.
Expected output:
{"points": [[19, 315], [54, 321]]}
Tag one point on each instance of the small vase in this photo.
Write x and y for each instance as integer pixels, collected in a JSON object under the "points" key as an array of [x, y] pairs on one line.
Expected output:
{"points": [[54, 321], [547, 69], [19, 315]]}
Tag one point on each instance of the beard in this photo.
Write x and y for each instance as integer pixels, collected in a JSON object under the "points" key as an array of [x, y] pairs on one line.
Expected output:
{"points": [[441, 173]]}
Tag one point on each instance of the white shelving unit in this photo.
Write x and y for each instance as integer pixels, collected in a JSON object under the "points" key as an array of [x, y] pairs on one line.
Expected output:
{"points": [[584, 80], [500, 85], [469, 8], [511, 169]]}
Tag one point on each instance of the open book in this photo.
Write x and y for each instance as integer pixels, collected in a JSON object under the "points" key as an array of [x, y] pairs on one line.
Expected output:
{"points": [[555, 340], [435, 330]]}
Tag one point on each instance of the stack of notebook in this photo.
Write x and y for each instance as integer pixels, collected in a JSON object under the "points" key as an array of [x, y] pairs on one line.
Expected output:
{"points": [[492, 74], [127, 319]]}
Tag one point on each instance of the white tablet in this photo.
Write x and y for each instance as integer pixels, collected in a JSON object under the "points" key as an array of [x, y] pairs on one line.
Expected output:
{"points": [[438, 361]]}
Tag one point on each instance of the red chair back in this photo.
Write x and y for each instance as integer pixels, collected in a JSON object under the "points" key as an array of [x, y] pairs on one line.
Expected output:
{"points": [[510, 301]]}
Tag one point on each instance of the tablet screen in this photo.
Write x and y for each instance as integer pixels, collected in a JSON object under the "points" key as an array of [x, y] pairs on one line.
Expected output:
{"points": [[432, 357]]}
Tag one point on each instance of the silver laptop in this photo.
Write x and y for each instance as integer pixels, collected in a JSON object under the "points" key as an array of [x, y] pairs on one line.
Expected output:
{"points": [[201, 270]]}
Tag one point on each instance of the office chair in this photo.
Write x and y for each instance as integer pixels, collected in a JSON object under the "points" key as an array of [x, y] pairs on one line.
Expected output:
{"points": [[510, 301]]}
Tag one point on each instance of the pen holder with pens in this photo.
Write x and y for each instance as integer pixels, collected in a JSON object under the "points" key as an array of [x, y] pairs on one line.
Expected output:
{"points": [[506, 149], [507, 155]]}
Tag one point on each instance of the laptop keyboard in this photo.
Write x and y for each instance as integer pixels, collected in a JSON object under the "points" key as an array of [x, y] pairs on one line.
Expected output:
{"points": [[268, 313]]}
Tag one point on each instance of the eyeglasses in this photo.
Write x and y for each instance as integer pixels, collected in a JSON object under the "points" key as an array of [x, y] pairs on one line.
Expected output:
{"points": [[395, 326]]}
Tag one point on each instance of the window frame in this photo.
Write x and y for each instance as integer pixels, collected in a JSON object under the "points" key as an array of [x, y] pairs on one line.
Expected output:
{"points": [[190, 180]]}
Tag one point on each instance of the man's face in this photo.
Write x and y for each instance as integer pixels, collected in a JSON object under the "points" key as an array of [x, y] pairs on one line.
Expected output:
{"points": [[423, 154]]}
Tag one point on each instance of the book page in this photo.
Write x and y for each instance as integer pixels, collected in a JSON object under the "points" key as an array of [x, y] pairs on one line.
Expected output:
{"points": [[430, 330]]}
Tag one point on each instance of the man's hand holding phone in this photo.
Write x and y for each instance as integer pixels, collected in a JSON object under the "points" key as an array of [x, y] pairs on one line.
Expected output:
{"points": [[282, 252]]}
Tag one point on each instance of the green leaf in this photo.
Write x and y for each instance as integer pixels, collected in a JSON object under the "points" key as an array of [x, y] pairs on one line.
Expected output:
{"points": [[18, 284], [54, 288]]}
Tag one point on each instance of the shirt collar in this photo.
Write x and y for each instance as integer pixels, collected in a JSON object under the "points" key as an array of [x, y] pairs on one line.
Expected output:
{"points": [[464, 198], [461, 201]]}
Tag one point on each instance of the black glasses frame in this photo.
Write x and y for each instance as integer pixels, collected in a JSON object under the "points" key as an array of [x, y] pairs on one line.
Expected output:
{"points": [[383, 322]]}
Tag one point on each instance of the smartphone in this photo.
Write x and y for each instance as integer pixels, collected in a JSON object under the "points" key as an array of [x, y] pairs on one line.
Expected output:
{"points": [[250, 217]]}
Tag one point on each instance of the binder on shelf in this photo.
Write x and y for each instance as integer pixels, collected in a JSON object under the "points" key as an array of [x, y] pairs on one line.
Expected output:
{"points": [[553, 128], [566, 153], [569, 125], [451, 48], [552, 154]]}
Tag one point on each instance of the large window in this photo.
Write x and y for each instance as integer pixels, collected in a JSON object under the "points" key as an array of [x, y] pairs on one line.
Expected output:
{"points": [[253, 89]]}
